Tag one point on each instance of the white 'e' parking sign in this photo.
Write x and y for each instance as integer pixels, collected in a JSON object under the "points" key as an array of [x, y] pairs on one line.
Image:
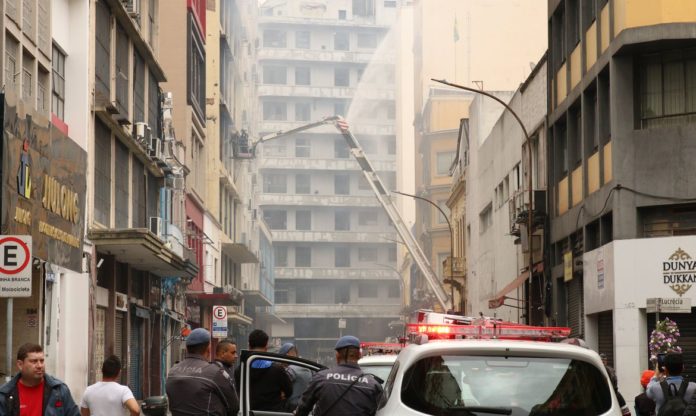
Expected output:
{"points": [[15, 266]]}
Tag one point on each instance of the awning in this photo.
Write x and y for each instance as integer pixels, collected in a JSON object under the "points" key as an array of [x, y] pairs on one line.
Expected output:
{"points": [[143, 250], [225, 299], [239, 253], [500, 297], [238, 318]]}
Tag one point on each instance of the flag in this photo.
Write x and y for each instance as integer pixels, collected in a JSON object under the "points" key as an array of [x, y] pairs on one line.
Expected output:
{"points": [[456, 31]]}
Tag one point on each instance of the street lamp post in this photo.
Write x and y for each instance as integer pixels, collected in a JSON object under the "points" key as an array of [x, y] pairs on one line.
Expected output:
{"points": [[528, 140], [449, 225]]}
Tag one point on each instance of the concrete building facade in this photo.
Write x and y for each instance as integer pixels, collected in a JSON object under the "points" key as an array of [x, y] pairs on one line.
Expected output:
{"points": [[619, 155], [334, 247]]}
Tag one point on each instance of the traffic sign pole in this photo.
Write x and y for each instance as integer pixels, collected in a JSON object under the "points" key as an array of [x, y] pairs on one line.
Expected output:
{"points": [[8, 349]]}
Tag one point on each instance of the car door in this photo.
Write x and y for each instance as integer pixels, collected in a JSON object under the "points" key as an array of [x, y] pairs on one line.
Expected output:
{"points": [[246, 359]]}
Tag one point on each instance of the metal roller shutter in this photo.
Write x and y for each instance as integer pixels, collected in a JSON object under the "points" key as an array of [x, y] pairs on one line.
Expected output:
{"points": [[99, 342], [687, 341], [118, 338], [575, 307], [136, 357], [605, 324]]}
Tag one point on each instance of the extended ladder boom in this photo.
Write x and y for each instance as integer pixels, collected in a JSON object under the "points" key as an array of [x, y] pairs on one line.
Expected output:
{"points": [[383, 197]]}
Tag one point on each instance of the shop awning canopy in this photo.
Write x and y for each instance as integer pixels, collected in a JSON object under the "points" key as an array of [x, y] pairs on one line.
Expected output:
{"points": [[500, 297], [143, 250]]}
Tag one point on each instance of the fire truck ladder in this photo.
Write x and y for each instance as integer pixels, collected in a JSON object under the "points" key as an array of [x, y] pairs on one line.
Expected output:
{"points": [[384, 198]]}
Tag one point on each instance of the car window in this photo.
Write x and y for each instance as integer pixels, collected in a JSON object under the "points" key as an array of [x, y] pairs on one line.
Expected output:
{"points": [[389, 384], [379, 370], [529, 386]]}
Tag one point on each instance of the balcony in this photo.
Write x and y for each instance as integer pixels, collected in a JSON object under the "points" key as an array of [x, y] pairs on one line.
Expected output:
{"points": [[317, 200], [367, 22], [311, 55], [333, 236], [380, 165], [338, 311], [333, 273], [455, 267], [371, 127], [265, 90]]}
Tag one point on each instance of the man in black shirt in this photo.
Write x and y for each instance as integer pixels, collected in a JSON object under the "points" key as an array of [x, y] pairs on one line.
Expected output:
{"points": [[269, 384]]}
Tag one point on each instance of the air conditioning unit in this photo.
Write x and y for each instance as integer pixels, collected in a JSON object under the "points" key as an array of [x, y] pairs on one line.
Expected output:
{"points": [[155, 149], [156, 226], [174, 182], [132, 7], [121, 302], [142, 133]]}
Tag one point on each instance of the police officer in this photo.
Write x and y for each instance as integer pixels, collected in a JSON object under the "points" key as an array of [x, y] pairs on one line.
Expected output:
{"points": [[342, 390], [197, 387]]}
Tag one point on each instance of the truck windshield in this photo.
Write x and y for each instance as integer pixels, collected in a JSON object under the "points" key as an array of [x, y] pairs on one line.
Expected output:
{"points": [[444, 384]]}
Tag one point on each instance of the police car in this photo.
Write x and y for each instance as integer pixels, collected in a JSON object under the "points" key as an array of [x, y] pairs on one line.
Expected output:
{"points": [[378, 365]]}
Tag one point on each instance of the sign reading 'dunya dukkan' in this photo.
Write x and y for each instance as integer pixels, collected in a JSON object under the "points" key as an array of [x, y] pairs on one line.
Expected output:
{"points": [[679, 271]]}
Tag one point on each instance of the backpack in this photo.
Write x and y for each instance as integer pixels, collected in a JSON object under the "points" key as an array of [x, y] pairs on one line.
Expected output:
{"points": [[674, 404]]}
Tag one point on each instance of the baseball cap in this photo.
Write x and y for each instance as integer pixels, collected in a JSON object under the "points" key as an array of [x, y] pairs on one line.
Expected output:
{"points": [[197, 337], [347, 341]]}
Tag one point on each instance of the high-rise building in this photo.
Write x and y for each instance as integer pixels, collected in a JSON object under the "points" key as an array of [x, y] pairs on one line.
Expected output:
{"points": [[621, 90], [334, 246]]}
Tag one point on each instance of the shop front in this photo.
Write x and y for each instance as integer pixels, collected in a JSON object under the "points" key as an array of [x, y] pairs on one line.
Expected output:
{"points": [[622, 282], [43, 196]]}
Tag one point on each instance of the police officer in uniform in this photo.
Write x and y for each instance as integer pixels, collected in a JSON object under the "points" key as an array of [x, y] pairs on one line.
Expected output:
{"points": [[197, 387], [342, 390]]}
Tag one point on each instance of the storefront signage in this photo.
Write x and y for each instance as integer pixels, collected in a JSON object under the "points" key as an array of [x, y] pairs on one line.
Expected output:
{"points": [[679, 272], [15, 266], [43, 185], [219, 322], [568, 266], [668, 305]]}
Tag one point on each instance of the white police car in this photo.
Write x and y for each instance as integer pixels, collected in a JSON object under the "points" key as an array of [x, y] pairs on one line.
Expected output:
{"points": [[378, 365], [508, 377]]}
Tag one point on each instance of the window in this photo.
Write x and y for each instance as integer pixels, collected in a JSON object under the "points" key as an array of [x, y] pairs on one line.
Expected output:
{"points": [[121, 182], [273, 110], [392, 253], [303, 183], [667, 88], [341, 150], [573, 24], [42, 90], [341, 41], [138, 87], [151, 28], [302, 148], [590, 117], [367, 218], [302, 75], [27, 77], [433, 383], [280, 256], [275, 183], [303, 112], [138, 199], [363, 185], [303, 220], [485, 219], [341, 15], [303, 257], [393, 290], [367, 254], [589, 13], [340, 109], [391, 146], [274, 39], [367, 40], [342, 293], [389, 3], [122, 69], [102, 54], [444, 161], [11, 51], [368, 290], [342, 220], [276, 219], [574, 136], [369, 146], [302, 40], [196, 70], [342, 257], [281, 295], [561, 151], [102, 174], [363, 8], [443, 206], [341, 77], [275, 75], [341, 184], [303, 295]]}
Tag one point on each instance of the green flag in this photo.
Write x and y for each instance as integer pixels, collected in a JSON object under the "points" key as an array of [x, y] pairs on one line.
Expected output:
{"points": [[456, 31]]}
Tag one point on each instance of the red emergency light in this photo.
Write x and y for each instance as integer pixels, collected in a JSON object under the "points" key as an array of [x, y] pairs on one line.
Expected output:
{"points": [[489, 330]]}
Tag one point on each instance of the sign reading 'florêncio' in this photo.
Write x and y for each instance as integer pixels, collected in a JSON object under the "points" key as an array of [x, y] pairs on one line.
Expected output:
{"points": [[679, 271], [44, 185]]}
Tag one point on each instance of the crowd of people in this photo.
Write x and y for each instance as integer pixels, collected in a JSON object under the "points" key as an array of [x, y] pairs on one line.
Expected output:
{"points": [[202, 384]]}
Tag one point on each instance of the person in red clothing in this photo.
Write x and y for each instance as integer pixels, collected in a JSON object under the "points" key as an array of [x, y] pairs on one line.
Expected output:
{"points": [[32, 392]]}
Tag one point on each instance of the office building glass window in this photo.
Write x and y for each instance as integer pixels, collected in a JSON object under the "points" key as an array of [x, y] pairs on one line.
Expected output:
{"points": [[367, 218], [368, 290], [340, 109], [341, 77], [341, 150], [102, 174], [302, 148], [364, 8], [367, 254], [276, 219], [302, 75], [303, 112], [342, 41], [303, 257], [302, 40], [342, 220], [274, 74], [341, 184], [303, 183], [342, 257], [275, 183], [303, 220], [367, 40], [280, 256], [277, 111], [274, 38]]}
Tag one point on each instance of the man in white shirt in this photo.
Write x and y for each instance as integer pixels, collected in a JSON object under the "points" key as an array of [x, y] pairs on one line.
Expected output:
{"points": [[108, 397]]}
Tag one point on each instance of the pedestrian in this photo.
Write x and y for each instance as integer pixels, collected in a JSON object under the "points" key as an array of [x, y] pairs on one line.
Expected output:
{"points": [[197, 387], [344, 389], [109, 397], [225, 357], [269, 384], [32, 392], [645, 406], [625, 411], [662, 382], [299, 376]]}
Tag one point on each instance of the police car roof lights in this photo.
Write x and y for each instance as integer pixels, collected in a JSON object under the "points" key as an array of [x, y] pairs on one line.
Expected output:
{"points": [[489, 330]]}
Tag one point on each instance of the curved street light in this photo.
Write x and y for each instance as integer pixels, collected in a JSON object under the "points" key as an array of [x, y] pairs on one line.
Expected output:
{"points": [[528, 140], [449, 225]]}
